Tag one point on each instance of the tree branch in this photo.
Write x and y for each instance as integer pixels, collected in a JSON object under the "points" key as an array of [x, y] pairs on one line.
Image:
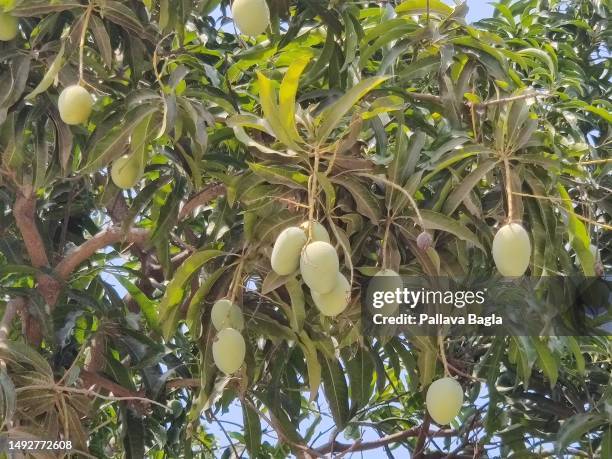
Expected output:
{"points": [[180, 383], [419, 96], [338, 447], [116, 234], [24, 211], [201, 199], [300, 451], [419, 448], [91, 379], [423, 97], [505, 100], [103, 239]]}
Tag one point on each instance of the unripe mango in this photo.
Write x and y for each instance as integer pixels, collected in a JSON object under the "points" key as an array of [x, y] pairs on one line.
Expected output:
{"points": [[251, 17], [333, 303], [387, 280], [319, 266], [229, 350], [8, 27], [444, 400], [225, 314], [126, 172], [285, 257], [511, 250], [319, 233], [75, 104]]}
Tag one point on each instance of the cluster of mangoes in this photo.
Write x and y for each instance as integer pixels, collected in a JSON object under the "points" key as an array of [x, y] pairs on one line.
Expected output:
{"points": [[310, 250], [75, 104]]}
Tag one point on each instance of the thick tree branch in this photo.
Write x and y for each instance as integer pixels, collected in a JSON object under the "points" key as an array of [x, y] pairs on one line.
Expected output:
{"points": [[24, 212], [103, 239]]}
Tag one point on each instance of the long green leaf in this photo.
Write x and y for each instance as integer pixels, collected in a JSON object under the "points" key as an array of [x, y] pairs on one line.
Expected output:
{"points": [[437, 221], [366, 202], [252, 430], [313, 367], [546, 361], [50, 75], [578, 235], [575, 427], [298, 303], [271, 110], [288, 91], [280, 175], [360, 371], [466, 186], [436, 7], [335, 389], [332, 115], [101, 151], [175, 291]]}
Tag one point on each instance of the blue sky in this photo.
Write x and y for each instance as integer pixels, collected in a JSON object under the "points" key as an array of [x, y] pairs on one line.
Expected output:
{"points": [[479, 9]]}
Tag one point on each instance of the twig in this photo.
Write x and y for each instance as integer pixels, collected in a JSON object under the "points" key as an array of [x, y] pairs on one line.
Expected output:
{"points": [[387, 440], [505, 100], [272, 423], [225, 433], [578, 216], [400, 189], [419, 448], [596, 161], [443, 355], [419, 96], [386, 240], [509, 190], [89, 392], [191, 383], [312, 193]]}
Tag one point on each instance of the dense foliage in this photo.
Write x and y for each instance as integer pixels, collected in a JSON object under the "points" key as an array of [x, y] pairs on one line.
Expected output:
{"points": [[379, 119]]}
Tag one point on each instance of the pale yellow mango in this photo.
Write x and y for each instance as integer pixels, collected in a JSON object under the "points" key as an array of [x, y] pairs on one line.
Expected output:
{"points": [[75, 104], [229, 350], [333, 303], [319, 266], [511, 250], [444, 400]]}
